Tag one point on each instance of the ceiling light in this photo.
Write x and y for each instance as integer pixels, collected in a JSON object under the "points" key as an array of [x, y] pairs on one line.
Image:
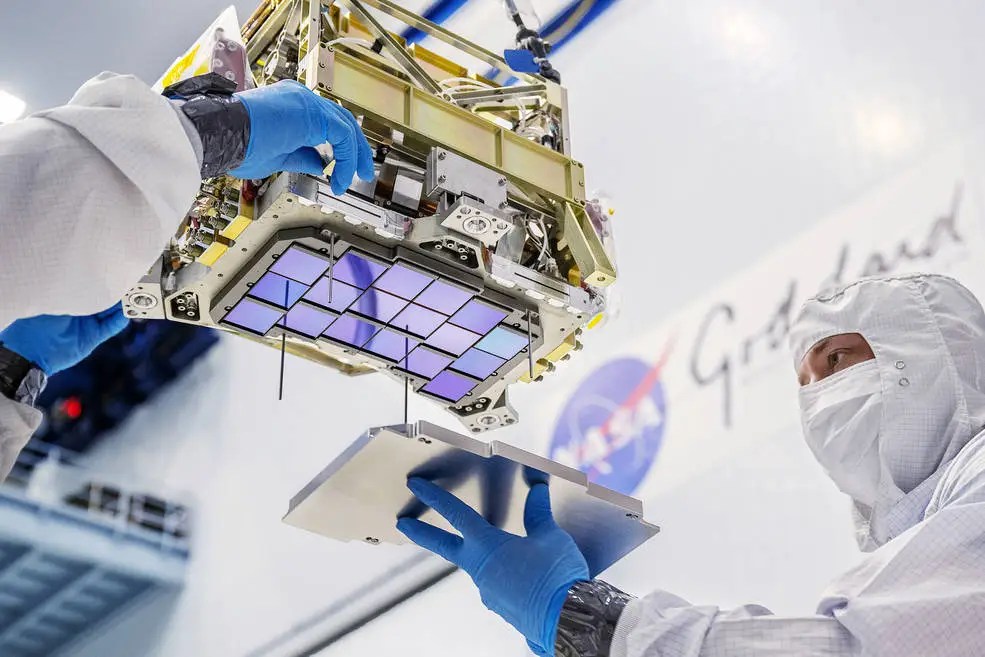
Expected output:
{"points": [[11, 107]]}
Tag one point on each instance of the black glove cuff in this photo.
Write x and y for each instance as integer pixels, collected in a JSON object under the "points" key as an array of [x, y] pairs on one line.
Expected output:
{"points": [[14, 372], [221, 120], [588, 619]]}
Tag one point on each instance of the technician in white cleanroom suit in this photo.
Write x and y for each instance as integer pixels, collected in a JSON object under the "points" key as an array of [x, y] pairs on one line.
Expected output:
{"points": [[91, 192], [893, 406]]}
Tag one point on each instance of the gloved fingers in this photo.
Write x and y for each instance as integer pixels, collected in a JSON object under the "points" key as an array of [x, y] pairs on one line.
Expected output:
{"points": [[110, 322], [304, 160], [429, 537], [534, 476], [537, 515], [364, 153], [364, 159], [113, 310], [343, 133], [461, 516], [535, 649]]}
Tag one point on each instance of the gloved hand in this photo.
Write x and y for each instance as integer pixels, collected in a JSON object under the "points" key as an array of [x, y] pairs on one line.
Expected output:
{"points": [[287, 120], [57, 342], [523, 579]]}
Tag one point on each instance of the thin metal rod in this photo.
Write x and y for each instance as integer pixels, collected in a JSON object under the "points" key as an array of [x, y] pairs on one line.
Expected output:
{"points": [[331, 268], [406, 380], [415, 71], [283, 342], [530, 344], [283, 351], [431, 29]]}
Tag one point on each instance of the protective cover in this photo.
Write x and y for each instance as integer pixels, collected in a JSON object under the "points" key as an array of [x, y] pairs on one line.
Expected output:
{"points": [[220, 50], [359, 496]]}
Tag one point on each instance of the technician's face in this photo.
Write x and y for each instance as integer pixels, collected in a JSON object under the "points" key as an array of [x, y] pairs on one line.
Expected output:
{"points": [[832, 355]]}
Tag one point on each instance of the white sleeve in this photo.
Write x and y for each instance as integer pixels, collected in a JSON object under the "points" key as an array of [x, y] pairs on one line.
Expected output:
{"points": [[923, 593], [663, 625], [17, 424], [90, 192]]}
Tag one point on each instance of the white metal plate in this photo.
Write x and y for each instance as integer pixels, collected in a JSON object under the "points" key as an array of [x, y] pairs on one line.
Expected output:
{"points": [[360, 495]]}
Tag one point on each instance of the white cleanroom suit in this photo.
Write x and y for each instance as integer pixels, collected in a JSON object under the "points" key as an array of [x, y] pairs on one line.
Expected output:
{"points": [[917, 457], [90, 192]]}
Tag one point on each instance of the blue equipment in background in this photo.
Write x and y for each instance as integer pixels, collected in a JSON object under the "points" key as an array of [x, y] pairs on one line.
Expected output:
{"points": [[85, 401]]}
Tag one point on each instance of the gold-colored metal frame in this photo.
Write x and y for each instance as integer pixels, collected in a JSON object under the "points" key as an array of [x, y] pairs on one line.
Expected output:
{"points": [[402, 95]]}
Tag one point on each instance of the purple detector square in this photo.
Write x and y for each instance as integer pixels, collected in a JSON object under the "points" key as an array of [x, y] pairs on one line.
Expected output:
{"points": [[452, 339], [450, 386], [357, 270], [425, 362], [503, 343], [350, 330], [418, 320], [478, 363], [478, 317], [390, 345], [443, 297], [342, 294], [403, 282], [307, 320], [278, 290], [300, 265], [253, 316], [378, 305]]}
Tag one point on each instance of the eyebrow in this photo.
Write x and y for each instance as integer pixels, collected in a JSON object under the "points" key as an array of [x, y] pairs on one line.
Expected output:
{"points": [[820, 345]]}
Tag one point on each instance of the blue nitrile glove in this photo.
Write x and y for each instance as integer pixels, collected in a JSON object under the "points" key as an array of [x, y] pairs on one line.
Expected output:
{"points": [[523, 579], [57, 342], [287, 120]]}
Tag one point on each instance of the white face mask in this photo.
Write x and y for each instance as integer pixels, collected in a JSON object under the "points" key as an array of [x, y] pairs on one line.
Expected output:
{"points": [[841, 417]]}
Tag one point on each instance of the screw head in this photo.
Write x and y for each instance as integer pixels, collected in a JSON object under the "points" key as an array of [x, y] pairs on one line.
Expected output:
{"points": [[442, 179]]}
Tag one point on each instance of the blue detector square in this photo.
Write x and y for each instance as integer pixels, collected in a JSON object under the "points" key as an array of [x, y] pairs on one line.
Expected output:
{"points": [[378, 305], [478, 317], [403, 281], [300, 264], [307, 320], [425, 362], [351, 331], [253, 316], [478, 363], [357, 270], [450, 386], [278, 290], [503, 343], [418, 320], [443, 297], [390, 345], [338, 296], [452, 339]]}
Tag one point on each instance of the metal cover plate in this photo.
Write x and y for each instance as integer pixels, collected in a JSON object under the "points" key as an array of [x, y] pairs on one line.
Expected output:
{"points": [[360, 495]]}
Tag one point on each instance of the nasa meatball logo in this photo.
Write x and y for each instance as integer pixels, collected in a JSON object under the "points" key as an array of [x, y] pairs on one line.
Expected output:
{"points": [[613, 425]]}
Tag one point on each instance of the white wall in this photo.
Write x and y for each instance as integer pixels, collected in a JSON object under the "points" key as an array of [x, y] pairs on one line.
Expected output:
{"points": [[723, 130]]}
